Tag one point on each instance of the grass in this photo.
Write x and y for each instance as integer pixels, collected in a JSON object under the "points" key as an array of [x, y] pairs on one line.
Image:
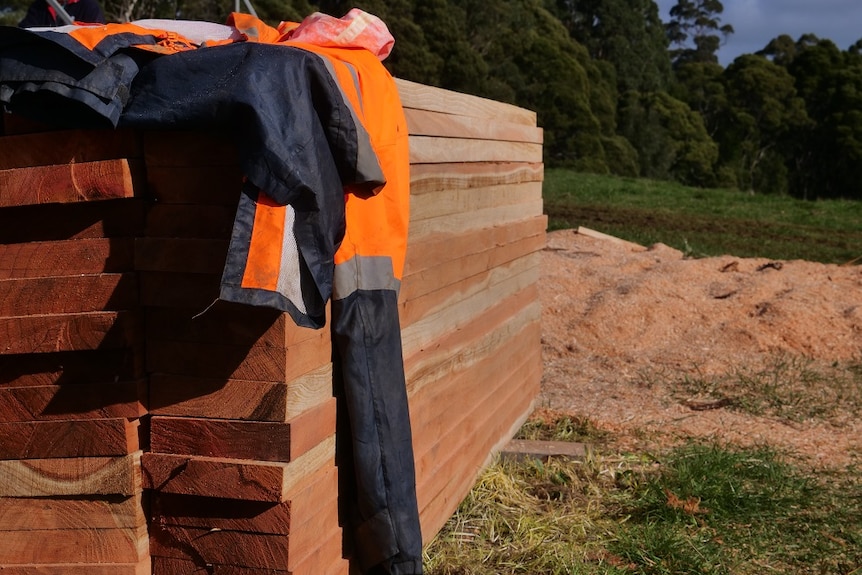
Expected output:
{"points": [[705, 222], [702, 508], [698, 509], [791, 389]]}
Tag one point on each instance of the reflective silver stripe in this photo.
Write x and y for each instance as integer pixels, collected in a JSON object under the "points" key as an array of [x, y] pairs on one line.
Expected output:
{"points": [[289, 273], [364, 273], [367, 167]]}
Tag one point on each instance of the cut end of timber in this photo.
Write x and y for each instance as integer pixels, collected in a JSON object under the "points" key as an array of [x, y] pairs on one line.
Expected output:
{"points": [[522, 449]]}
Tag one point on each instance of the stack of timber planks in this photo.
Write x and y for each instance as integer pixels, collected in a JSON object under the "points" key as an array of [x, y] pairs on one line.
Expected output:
{"points": [[147, 427], [469, 306], [72, 382], [241, 464]]}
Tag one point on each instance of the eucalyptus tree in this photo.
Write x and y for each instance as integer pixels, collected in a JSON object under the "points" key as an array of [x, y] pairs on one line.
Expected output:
{"points": [[830, 82], [695, 30], [760, 125], [627, 33]]}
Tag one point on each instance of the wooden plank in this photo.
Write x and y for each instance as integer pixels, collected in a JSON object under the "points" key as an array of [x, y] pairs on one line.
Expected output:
{"points": [[233, 478], [428, 123], [482, 218], [220, 547], [429, 292], [435, 415], [458, 201], [197, 149], [212, 513], [71, 294], [129, 545], [72, 367], [66, 257], [420, 96], [55, 222], [69, 332], [251, 516], [256, 363], [425, 178], [525, 450], [83, 401], [67, 147], [219, 185], [257, 440], [457, 479], [143, 567], [68, 438], [190, 221], [182, 255], [433, 150], [170, 566], [461, 307], [459, 349], [71, 476], [228, 323], [239, 399], [441, 249], [55, 513], [67, 183], [619, 241]]}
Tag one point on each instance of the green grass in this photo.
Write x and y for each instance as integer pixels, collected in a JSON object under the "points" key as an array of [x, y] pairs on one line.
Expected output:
{"points": [[703, 222], [697, 509]]}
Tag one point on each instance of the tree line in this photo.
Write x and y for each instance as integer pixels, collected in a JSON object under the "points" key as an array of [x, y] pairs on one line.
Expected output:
{"points": [[616, 89]]}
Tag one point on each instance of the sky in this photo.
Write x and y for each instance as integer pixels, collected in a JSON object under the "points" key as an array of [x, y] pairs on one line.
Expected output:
{"points": [[756, 22]]}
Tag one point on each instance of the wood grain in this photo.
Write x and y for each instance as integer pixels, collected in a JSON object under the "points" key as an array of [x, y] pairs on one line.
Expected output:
{"points": [[234, 439], [68, 438], [77, 182], [422, 97], [66, 258], [69, 332], [71, 476], [433, 149], [428, 123], [83, 401], [58, 513], [239, 399], [436, 177], [233, 478], [70, 294], [257, 363], [67, 147]]}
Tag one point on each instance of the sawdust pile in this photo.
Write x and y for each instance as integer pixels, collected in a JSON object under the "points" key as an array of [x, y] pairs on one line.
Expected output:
{"points": [[621, 322]]}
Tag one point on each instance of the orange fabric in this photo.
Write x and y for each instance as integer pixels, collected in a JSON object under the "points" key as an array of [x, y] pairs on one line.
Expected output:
{"points": [[264, 254], [376, 226], [168, 42]]}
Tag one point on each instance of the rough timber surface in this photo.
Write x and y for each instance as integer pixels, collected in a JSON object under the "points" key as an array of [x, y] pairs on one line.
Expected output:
{"points": [[131, 397]]}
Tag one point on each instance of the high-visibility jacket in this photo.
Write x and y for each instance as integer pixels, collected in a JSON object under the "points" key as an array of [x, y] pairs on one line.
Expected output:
{"points": [[323, 142]]}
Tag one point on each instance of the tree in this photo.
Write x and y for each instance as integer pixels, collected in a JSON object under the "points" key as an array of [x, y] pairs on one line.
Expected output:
{"points": [[627, 33], [696, 29], [830, 82], [670, 138], [758, 126]]}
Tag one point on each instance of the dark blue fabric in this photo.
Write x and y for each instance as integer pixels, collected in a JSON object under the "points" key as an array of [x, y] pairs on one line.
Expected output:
{"points": [[367, 348]]}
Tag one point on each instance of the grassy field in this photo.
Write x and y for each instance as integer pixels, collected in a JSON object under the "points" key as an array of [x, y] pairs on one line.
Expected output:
{"points": [[701, 508], [705, 222]]}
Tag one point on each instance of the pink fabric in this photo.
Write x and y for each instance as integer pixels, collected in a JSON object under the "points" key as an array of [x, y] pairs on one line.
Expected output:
{"points": [[356, 29]]}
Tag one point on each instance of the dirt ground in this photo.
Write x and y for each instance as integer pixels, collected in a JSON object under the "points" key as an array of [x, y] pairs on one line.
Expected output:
{"points": [[623, 325]]}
